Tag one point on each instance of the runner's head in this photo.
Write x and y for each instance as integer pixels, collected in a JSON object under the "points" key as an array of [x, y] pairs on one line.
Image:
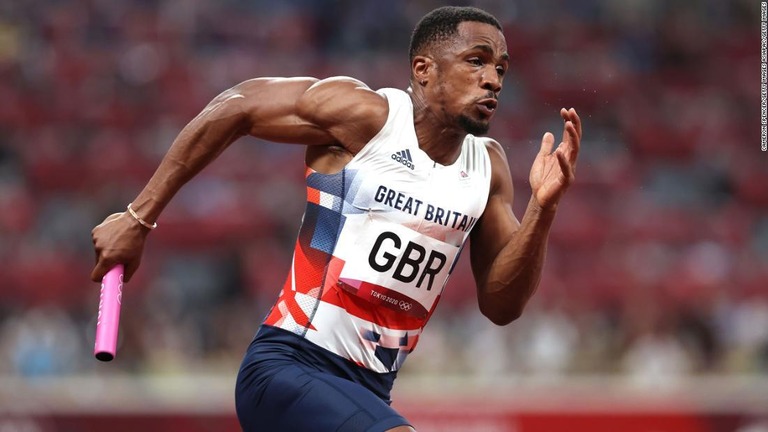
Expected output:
{"points": [[458, 58]]}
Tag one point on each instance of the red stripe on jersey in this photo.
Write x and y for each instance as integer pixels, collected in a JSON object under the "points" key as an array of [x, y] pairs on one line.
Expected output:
{"points": [[297, 312], [362, 308], [385, 297], [308, 272], [313, 195], [384, 317]]}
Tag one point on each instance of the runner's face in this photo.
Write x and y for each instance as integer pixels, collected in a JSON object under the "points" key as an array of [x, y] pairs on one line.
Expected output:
{"points": [[469, 74]]}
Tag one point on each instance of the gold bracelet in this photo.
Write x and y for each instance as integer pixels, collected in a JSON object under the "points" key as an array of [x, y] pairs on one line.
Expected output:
{"points": [[140, 220]]}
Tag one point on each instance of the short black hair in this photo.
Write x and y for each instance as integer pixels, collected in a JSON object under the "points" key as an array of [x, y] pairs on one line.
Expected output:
{"points": [[443, 23]]}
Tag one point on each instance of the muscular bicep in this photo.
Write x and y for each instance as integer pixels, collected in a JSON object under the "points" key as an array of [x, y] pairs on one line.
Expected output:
{"points": [[498, 223], [309, 111], [269, 106]]}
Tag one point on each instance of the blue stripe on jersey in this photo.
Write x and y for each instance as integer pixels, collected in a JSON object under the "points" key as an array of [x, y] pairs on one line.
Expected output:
{"points": [[334, 184], [329, 183], [327, 225]]}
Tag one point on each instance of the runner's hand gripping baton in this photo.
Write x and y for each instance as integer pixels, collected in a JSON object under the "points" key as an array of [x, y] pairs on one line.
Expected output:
{"points": [[109, 314]]}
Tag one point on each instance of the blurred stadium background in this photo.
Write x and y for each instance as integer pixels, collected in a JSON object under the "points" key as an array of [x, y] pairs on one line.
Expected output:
{"points": [[653, 311]]}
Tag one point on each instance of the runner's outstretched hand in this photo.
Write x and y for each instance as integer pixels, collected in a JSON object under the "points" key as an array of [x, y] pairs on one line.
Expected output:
{"points": [[552, 172]]}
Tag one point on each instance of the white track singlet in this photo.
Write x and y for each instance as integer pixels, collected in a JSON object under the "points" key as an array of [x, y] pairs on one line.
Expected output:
{"points": [[378, 241]]}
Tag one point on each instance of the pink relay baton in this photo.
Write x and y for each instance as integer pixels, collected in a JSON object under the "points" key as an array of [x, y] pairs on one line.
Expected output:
{"points": [[109, 314]]}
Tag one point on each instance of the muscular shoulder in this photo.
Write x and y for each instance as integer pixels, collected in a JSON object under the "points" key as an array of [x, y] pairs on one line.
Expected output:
{"points": [[347, 108], [341, 92], [306, 110]]}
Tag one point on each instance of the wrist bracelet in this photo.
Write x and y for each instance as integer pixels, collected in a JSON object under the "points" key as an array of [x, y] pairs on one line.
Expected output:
{"points": [[140, 220]]}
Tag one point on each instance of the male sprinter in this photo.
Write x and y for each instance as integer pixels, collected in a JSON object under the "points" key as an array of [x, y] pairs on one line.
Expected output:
{"points": [[396, 182]]}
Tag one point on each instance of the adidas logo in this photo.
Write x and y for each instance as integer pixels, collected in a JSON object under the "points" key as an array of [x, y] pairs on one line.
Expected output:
{"points": [[404, 157]]}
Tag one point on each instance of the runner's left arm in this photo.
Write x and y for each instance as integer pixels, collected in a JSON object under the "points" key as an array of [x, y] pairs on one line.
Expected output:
{"points": [[507, 255]]}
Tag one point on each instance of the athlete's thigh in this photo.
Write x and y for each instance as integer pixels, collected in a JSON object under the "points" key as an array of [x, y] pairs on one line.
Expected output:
{"points": [[293, 398]]}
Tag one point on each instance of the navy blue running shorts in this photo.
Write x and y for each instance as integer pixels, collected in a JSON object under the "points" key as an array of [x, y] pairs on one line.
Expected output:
{"points": [[280, 389]]}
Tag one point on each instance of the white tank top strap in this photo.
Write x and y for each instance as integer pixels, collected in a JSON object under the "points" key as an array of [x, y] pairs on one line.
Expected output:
{"points": [[400, 114]]}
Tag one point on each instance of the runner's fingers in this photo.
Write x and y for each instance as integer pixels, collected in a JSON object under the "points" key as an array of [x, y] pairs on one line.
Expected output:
{"points": [[574, 143], [576, 121], [565, 167], [547, 142]]}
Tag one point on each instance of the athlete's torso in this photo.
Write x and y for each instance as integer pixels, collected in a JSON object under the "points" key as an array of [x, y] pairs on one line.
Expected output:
{"points": [[378, 242]]}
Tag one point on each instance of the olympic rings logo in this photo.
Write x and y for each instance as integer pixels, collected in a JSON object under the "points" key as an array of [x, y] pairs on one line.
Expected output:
{"points": [[404, 305]]}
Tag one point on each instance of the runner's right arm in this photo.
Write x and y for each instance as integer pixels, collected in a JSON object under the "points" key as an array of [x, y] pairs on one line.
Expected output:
{"points": [[336, 111]]}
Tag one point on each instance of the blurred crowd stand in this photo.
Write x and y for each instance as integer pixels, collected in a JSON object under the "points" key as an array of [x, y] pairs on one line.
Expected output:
{"points": [[657, 267]]}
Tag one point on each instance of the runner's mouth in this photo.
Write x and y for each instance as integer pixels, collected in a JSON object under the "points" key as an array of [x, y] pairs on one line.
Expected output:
{"points": [[487, 106]]}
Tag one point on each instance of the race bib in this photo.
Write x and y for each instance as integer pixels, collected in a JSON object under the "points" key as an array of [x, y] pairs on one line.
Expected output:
{"points": [[392, 265]]}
